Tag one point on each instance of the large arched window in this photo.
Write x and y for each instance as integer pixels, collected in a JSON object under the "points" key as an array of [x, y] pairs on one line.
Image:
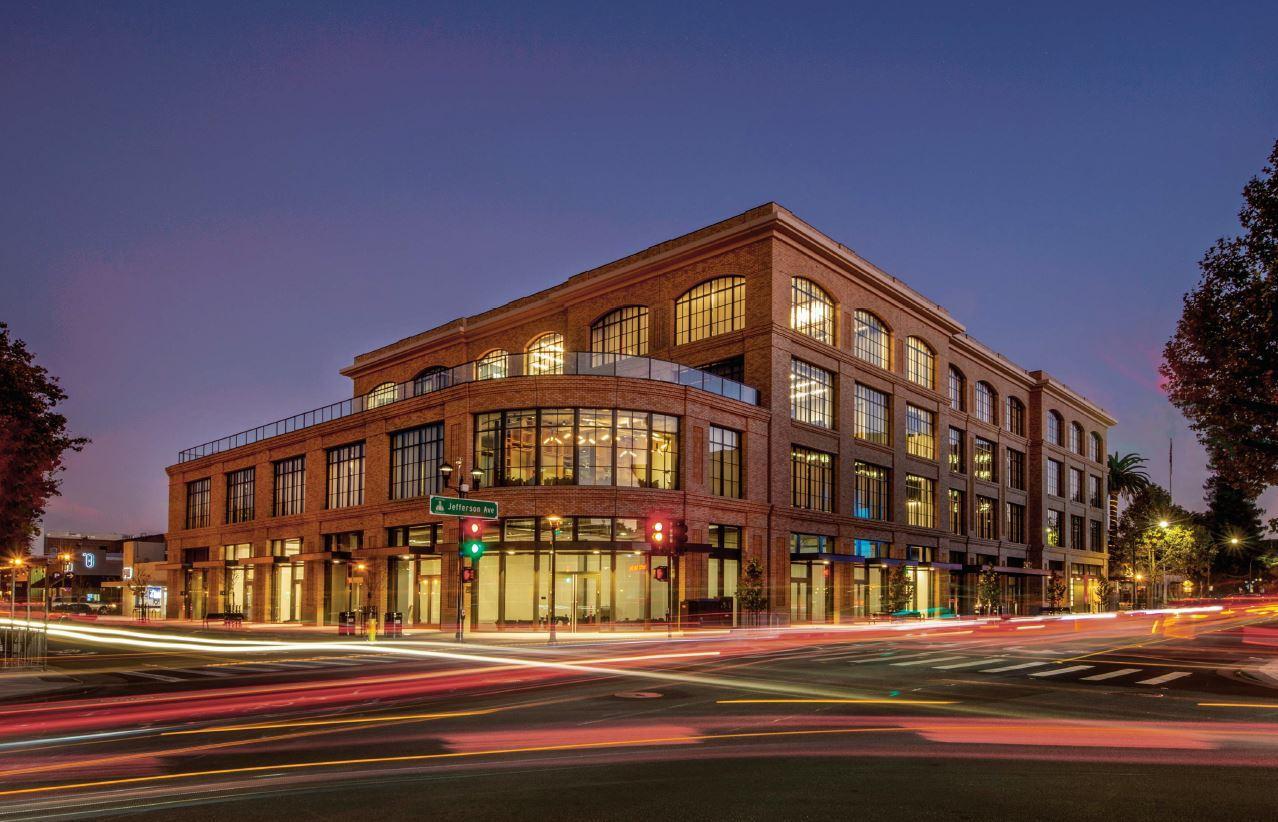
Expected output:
{"points": [[1015, 416], [1076, 438], [492, 366], [958, 390], [431, 379], [546, 354], [871, 339], [1055, 428], [383, 394], [811, 310], [623, 331], [920, 363], [1098, 448], [715, 307], [986, 402]]}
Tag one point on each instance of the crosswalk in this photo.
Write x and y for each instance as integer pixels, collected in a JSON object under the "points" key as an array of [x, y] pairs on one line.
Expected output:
{"points": [[223, 670]]}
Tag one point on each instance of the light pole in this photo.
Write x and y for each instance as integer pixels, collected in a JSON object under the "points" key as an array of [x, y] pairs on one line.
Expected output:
{"points": [[14, 564], [446, 473], [554, 521]]}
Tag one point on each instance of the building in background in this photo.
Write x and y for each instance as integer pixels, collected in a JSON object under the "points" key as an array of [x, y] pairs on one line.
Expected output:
{"points": [[786, 399], [86, 569]]}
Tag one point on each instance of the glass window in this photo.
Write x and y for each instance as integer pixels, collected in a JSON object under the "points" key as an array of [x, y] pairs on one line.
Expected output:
{"points": [[1076, 438], [594, 529], [434, 378], [873, 495], [725, 537], [811, 310], [1098, 448], [985, 403], [870, 548], [920, 363], [958, 390], [239, 495], [984, 462], [594, 446], [986, 514], [494, 365], [413, 536], [920, 506], [873, 416], [1095, 541], [344, 541], [557, 445], [725, 462], [286, 547], [811, 394], [920, 432], [1015, 522], [1075, 531], [1054, 428], [711, 308], [871, 338], [197, 503], [1076, 485], [623, 332], [290, 486], [811, 544], [1015, 416], [958, 451], [626, 529], [242, 550], [546, 355], [383, 394], [733, 368], [1016, 469], [346, 476], [811, 479], [415, 458], [1094, 493], [958, 511], [1052, 533], [1054, 479]]}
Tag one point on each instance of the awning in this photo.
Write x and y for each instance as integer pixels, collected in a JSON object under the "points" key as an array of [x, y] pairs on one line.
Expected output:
{"points": [[269, 559], [321, 555], [214, 563], [945, 566], [395, 551], [891, 561], [1029, 572], [171, 566], [827, 557]]}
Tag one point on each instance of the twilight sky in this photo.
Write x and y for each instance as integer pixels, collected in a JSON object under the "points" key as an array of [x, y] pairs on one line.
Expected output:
{"points": [[210, 208]]}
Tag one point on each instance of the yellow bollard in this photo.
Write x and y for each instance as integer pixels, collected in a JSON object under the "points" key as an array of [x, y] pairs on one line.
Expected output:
{"points": [[372, 629]]}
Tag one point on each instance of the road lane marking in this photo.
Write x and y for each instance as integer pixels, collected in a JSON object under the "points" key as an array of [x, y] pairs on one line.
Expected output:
{"points": [[1110, 674], [1013, 667], [970, 663], [892, 655], [160, 677], [1159, 680], [835, 702], [1059, 671], [926, 661], [200, 672], [1271, 706]]}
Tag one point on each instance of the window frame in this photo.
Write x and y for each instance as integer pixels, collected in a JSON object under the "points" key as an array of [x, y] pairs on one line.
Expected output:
{"points": [[806, 293], [871, 339], [920, 362], [697, 317]]}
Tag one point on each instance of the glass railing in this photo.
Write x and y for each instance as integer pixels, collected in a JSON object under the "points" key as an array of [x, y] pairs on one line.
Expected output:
{"points": [[494, 368]]}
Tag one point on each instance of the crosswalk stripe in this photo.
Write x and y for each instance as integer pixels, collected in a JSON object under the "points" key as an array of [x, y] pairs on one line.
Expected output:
{"points": [[1013, 667], [1110, 674], [928, 661], [970, 663], [1159, 680], [1059, 671]]}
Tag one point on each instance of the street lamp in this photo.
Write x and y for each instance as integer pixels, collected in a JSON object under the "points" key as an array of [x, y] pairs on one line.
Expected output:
{"points": [[554, 521]]}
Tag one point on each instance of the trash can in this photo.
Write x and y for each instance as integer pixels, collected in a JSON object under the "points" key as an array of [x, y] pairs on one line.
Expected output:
{"points": [[346, 623], [393, 625]]}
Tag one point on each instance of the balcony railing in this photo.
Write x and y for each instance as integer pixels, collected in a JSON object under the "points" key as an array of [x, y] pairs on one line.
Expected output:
{"points": [[503, 367]]}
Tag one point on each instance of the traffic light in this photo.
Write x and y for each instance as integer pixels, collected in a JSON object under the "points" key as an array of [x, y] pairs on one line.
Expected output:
{"points": [[657, 534], [468, 575], [678, 534], [472, 539], [661, 573]]}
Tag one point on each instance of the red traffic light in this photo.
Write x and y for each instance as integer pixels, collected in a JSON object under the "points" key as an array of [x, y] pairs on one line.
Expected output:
{"points": [[661, 573], [657, 533]]}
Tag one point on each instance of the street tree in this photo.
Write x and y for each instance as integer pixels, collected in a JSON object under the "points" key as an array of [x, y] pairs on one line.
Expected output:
{"points": [[33, 441], [898, 590], [1184, 549], [1221, 365], [1145, 509], [1233, 521], [989, 591], [750, 591], [1126, 476], [1055, 591]]}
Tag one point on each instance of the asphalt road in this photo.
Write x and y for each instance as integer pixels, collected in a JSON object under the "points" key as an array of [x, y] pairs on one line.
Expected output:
{"points": [[1137, 717]]}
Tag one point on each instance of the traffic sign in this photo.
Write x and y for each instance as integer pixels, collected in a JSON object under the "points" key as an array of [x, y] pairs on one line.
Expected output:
{"points": [[459, 507]]}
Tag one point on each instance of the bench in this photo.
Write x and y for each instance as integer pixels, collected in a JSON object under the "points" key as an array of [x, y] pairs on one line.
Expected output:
{"points": [[230, 619]]}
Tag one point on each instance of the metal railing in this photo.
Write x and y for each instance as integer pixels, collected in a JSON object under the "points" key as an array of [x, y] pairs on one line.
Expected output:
{"points": [[489, 368], [23, 646]]}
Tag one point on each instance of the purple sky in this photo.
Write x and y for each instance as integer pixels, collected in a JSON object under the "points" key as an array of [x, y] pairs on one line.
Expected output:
{"points": [[208, 209]]}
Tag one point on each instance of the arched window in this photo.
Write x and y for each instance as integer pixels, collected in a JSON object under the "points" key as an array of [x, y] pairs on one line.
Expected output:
{"points": [[1055, 428], [546, 354], [623, 331], [958, 390], [1076, 438], [986, 402], [492, 366], [920, 363], [383, 394], [870, 339], [1098, 448], [811, 310], [1015, 416], [430, 379], [715, 307]]}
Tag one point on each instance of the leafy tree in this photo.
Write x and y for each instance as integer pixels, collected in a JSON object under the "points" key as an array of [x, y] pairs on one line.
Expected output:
{"points": [[989, 591], [1233, 523], [898, 590], [1183, 549], [750, 591], [1145, 509], [33, 439], [1126, 477], [1055, 590], [1221, 366]]}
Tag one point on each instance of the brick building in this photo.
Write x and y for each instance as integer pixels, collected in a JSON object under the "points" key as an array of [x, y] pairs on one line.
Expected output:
{"points": [[789, 401]]}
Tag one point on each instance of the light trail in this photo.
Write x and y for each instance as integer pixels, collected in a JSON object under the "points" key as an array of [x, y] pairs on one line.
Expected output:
{"points": [[836, 702], [1271, 705], [315, 723]]}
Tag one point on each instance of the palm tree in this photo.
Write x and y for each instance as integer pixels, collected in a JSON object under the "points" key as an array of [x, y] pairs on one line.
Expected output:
{"points": [[1126, 476]]}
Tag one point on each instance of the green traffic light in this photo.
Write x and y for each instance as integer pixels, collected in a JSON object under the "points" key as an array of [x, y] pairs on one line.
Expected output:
{"points": [[475, 550]]}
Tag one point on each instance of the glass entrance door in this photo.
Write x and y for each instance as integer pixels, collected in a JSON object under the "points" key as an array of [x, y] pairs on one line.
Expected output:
{"points": [[288, 593], [428, 600], [578, 599]]}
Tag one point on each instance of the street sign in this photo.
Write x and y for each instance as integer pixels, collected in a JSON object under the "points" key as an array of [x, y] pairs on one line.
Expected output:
{"points": [[458, 507]]}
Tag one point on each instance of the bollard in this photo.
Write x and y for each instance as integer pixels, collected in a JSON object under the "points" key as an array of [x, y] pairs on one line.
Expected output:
{"points": [[372, 629]]}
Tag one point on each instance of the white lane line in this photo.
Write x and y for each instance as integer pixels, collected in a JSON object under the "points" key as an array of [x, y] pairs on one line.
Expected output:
{"points": [[199, 672], [1110, 674], [970, 663], [1013, 667], [1059, 671], [928, 661], [1159, 680], [885, 657], [160, 677]]}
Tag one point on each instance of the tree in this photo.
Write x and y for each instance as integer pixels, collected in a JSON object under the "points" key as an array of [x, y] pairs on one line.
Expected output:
{"points": [[1126, 477], [1233, 524], [1055, 591], [1145, 509], [33, 440], [1221, 365], [1183, 549], [750, 591], [989, 591], [898, 590]]}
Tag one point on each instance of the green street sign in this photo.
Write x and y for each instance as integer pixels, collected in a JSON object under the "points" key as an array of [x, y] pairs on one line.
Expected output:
{"points": [[458, 507]]}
